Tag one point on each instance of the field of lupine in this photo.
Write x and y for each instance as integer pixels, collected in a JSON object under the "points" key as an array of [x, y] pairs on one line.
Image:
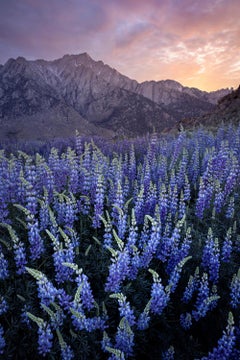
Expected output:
{"points": [[128, 250]]}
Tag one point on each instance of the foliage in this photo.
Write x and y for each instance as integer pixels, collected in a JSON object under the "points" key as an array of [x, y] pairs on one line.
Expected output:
{"points": [[122, 250]]}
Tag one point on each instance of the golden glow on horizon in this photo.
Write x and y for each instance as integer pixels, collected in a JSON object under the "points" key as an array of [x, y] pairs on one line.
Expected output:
{"points": [[195, 43]]}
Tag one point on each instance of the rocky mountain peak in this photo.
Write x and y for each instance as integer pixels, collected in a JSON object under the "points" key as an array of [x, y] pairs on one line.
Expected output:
{"points": [[82, 93]]}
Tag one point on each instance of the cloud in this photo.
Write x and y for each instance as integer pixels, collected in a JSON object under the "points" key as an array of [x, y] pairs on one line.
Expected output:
{"points": [[196, 43]]}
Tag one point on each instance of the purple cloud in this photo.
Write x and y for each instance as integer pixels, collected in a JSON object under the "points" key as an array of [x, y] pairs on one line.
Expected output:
{"points": [[196, 43]]}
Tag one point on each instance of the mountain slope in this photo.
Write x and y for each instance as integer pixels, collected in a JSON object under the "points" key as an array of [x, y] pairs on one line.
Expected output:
{"points": [[80, 93], [227, 111]]}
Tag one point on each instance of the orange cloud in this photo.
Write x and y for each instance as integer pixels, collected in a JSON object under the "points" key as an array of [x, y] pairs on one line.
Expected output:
{"points": [[195, 43]]}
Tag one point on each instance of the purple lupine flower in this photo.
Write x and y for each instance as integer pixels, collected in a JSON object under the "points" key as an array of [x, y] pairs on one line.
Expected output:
{"points": [[64, 299], [132, 237], [151, 199], [219, 197], [3, 305], [20, 257], [235, 290], [106, 341], [59, 207], [19, 251], [81, 322], [215, 263], [117, 203], [125, 309], [194, 167], [203, 291], [152, 244], [118, 271], [98, 202], [67, 353], [46, 291], [202, 303], [74, 177], [232, 177], [139, 206], [208, 249], [225, 346], [152, 148], [78, 316], [143, 321], [4, 272], [107, 242], [3, 203], [186, 320], [178, 145], [163, 204], [135, 264], [57, 318], [35, 240], [181, 173], [78, 143], [227, 246], [178, 254], [45, 337], [168, 354], [70, 213], [146, 177], [211, 257], [31, 199], [49, 182], [181, 206], [166, 245], [24, 316], [132, 164], [144, 318], [173, 200], [175, 275], [236, 352], [122, 225], [201, 200], [95, 323], [159, 298], [2, 340], [230, 208], [86, 291], [60, 256], [125, 338], [191, 287], [186, 189]]}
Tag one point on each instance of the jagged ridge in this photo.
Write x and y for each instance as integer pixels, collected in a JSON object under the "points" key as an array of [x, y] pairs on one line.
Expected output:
{"points": [[76, 92]]}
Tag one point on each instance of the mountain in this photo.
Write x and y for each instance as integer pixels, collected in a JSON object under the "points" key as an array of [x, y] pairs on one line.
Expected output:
{"points": [[227, 111], [44, 99]]}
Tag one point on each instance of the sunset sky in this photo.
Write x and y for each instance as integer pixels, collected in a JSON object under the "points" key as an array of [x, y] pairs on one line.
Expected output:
{"points": [[194, 42]]}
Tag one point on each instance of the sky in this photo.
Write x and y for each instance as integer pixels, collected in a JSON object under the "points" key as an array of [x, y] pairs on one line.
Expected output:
{"points": [[194, 42]]}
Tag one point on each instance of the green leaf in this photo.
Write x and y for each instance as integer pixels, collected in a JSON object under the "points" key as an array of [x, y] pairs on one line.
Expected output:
{"points": [[88, 249], [23, 209], [97, 241], [118, 353], [154, 274], [39, 321], [112, 251], [38, 275], [62, 343], [52, 237], [118, 240], [48, 311]]}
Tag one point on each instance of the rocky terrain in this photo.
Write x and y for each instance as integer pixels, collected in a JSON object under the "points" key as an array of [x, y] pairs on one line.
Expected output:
{"points": [[45, 99], [227, 111]]}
